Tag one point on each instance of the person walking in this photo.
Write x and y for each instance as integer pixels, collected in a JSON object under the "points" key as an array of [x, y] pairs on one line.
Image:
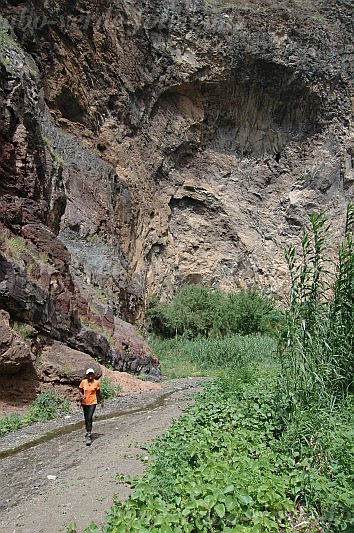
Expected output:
{"points": [[89, 389]]}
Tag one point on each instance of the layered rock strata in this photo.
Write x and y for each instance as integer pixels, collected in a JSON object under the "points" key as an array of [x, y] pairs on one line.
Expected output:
{"points": [[148, 145], [195, 138]]}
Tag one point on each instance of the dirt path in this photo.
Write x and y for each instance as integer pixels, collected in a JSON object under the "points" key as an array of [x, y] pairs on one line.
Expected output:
{"points": [[82, 479]]}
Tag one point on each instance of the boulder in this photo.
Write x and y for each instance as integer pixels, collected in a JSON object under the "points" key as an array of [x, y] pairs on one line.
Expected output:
{"points": [[63, 368], [60, 364], [132, 353]]}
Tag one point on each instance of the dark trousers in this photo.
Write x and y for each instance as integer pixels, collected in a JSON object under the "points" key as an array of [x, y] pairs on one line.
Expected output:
{"points": [[88, 414]]}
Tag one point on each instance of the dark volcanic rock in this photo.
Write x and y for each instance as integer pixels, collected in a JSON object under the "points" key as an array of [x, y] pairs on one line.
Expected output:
{"points": [[190, 144], [22, 297], [93, 343], [133, 354]]}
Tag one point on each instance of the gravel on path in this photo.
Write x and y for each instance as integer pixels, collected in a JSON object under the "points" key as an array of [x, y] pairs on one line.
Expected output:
{"points": [[51, 480]]}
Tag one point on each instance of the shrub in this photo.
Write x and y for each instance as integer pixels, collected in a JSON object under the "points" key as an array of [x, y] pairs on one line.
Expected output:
{"points": [[248, 312], [10, 423], [46, 406], [192, 312], [201, 311], [109, 389]]}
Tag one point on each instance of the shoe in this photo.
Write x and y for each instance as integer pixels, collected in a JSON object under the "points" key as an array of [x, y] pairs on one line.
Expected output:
{"points": [[88, 439]]}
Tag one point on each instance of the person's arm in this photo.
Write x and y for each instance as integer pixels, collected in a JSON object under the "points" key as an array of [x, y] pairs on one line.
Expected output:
{"points": [[100, 397], [82, 393]]}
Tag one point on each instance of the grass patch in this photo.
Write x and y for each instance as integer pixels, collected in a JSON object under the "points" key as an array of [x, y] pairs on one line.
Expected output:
{"points": [[211, 357], [4, 41], [23, 329], [17, 246], [89, 324], [23, 252], [57, 160]]}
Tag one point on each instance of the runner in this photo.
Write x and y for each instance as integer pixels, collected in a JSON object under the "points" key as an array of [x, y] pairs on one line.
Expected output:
{"points": [[89, 389]]}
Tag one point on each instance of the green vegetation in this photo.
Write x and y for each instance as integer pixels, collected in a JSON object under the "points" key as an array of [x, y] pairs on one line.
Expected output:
{"points": [[211, 357], [268, 445], [24, 330], [49, 405], [8, 44], [109, 389], [317, 343], [200, 311], [227, 466], [57, 160], [85, 321], [3, 37], [4, 41], [17, 245], [25, 253], [46, 406]]}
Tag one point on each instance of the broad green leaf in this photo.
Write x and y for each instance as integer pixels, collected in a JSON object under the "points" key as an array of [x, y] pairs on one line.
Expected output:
{"points": [[230, 502], [220, 510]]}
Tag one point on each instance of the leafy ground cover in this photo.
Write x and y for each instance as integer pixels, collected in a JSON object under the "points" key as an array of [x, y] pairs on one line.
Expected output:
{"points": [[268, 446], [230, 464]]}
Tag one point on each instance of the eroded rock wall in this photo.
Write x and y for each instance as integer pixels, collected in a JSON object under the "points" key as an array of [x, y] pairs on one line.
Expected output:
{"points": [[173, 142], [207, 134], [38, 278]]}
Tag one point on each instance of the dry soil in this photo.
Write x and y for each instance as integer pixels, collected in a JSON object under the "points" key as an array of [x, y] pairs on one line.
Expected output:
{"points": [[50, 479]]}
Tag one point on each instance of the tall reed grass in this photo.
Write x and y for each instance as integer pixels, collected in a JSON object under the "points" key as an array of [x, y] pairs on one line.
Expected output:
{"points": [[316, 342], [203, 356]]}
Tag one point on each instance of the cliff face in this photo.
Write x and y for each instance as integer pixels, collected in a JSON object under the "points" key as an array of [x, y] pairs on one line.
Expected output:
{"points": [[46, 295], [148, 144]]}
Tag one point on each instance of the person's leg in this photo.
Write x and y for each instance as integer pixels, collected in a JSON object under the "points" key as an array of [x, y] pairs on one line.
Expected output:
{"points": [[90, 412], [86, 415]]}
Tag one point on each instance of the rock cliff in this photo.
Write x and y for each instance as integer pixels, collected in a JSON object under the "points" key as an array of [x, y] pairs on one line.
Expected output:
{"points": [[149, 144]]}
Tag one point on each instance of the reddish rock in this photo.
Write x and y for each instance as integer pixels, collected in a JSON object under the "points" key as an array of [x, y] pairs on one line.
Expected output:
{"points": [[6, 333], [15, 354], [63, 368], [18, 379], [177, 166], [59, 364]]}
